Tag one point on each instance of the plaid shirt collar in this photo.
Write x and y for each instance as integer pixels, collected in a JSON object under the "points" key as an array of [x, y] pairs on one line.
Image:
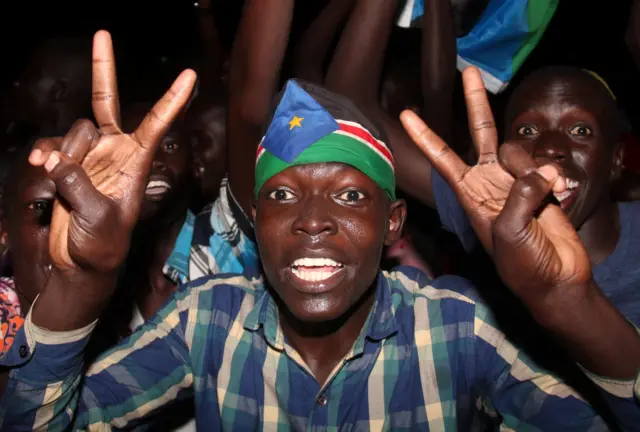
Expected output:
{"points": [[381, 323]]}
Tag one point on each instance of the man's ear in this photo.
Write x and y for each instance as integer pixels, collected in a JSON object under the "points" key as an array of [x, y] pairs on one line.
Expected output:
{"points": [[254, 210], [4, 238], [397, 217], [197, 168], [617, 165]]}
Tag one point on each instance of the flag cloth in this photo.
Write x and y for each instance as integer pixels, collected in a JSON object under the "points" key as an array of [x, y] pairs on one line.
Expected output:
{"points": [[304, 131], [500, 41]]}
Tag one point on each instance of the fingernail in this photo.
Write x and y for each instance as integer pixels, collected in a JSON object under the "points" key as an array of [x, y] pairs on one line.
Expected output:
{"points": [[408, 117], [548, 172], [52, 162], [35, 156]]}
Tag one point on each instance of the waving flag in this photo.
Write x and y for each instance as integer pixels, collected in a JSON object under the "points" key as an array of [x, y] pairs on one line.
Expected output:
{"points": [[501, 40]]}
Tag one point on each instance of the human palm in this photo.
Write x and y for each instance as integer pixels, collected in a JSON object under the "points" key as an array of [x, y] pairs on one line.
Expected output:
{"points": [[481, 189], [532, 242], [101, 173]]}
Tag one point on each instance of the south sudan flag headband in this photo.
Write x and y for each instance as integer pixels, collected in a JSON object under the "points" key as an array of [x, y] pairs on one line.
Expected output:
{"points": [[325, 127]]}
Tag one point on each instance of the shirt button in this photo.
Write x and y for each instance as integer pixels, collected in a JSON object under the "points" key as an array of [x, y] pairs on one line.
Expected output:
{"points": [[24, 351], [322, 400]]}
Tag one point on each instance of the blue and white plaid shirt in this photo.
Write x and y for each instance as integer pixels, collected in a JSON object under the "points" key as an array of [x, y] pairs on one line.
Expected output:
{"points": [[428, 358]]}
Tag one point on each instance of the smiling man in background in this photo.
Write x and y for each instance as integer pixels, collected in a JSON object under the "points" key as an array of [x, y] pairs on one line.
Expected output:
{"points": [[568, 117]]}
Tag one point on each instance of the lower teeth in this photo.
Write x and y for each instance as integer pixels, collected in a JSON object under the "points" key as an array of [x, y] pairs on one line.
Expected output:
{"points": [[313, 276]]}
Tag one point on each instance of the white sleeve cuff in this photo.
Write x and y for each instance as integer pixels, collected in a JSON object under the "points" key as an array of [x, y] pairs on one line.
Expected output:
{"points": [[37, 334], [619, 388]]}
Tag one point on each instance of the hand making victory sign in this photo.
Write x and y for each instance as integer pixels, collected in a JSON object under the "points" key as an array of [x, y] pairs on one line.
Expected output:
{"points": [[525, 247], [100, 176]]}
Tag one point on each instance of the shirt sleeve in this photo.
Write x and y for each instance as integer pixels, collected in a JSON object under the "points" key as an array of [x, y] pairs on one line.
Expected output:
{"points": [[149, 369], [176, 268], [529, 397], [452, 216]]}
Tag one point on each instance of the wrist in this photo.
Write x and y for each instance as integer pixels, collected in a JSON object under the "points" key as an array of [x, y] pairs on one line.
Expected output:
{"points": [[565, 305], [72, 300]]}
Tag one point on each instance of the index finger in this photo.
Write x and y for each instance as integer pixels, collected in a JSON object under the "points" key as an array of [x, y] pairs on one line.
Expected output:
{"points": [[440, 155], [515, 159], [104, 93], [157, 121], [481, 122]]}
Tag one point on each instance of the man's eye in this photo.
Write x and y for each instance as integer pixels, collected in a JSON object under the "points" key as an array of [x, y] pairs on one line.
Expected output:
{"points": [[351, 196], [527, 131], [581, 131], [281, 195], [170, 146], [43, 211], [40, 205]]}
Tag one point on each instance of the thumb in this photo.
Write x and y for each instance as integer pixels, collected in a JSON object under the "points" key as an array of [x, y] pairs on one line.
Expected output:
{"points": [[74, 186], [527, 195]]}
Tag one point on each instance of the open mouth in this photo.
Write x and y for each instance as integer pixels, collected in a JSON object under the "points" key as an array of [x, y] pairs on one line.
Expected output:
{"points": [[315, 269], [567, 197], [156, 188]]}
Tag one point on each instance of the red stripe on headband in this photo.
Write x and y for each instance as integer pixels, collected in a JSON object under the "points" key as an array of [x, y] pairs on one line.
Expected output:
{"points": [[365, 135]]}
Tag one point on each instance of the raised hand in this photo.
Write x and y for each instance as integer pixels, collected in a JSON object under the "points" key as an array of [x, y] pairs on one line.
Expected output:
{"points": [[100, 174], [481, 189]]}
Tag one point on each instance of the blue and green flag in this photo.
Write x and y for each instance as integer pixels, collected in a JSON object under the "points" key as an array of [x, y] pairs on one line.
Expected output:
{"points": [[500, 41]]}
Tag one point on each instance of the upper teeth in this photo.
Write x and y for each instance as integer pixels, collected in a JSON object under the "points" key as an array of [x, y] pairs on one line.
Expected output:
{"points": [[315, 262], [158, 183], [562, 195], [571, 184]]}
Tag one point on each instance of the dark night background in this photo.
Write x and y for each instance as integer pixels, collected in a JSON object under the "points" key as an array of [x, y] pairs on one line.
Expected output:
{"points": [[584, 33]]}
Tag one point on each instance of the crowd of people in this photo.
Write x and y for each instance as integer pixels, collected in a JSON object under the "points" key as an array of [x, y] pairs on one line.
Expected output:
{"points": [[320, 233]]}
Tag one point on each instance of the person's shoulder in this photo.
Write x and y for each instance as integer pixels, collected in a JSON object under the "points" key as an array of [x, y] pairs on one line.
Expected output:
{"points": [[423, 305], [630, 209], [415, 282], [235, 284], [218, 299], [630, 220]]}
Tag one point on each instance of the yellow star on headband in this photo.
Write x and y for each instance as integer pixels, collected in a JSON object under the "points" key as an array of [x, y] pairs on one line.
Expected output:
{"points": [[295, 122]]}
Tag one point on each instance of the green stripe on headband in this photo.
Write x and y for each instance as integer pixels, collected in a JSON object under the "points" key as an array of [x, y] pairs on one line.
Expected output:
{"points": [[332, 148]]}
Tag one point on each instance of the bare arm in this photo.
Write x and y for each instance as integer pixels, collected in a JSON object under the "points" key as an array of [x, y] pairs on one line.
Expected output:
{"points": [[311, 52], [256, 60], [356, 71], [356, 67], [438, 66], [210, 48], [632, 36]]}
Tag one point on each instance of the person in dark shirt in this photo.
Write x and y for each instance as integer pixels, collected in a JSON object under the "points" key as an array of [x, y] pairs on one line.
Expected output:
{"points": [[291, 350], [568, 117]]}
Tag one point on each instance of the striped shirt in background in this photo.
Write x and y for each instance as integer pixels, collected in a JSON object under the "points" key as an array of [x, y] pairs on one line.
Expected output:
{"points": [[218, 240]]}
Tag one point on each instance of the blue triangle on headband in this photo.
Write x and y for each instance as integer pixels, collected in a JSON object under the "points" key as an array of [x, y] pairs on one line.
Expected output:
{"points": [[299, 122]]}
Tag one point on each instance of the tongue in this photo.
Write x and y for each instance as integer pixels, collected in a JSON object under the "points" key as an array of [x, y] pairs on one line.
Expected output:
{"points": [[329, 269]]}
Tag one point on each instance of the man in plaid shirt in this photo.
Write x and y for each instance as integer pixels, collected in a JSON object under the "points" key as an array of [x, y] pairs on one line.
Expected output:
{"points": [[327, 340]]}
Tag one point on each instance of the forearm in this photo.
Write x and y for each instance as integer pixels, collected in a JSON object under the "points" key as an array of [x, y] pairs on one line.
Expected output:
{"points": [[72, 301], [256, 61], [313, 48], [210, 50], [356, 67], [438, 66], [632, 36], [594, 332], [413, 170]]}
